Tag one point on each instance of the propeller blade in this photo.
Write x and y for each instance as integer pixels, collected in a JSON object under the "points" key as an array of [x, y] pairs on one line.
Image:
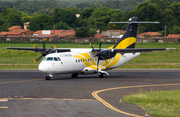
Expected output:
{"points": [[34, 46], [39, 58], [51, 50], [44, 52], [35, 60], [99, 54], [103, 59], [44, 46], [97, 63], [54, 46], [92, 46], [100, 45], [44, 41]]}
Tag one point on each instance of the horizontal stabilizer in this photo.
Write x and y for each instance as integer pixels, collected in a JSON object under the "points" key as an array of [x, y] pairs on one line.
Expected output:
{"points": [[134, 22]]}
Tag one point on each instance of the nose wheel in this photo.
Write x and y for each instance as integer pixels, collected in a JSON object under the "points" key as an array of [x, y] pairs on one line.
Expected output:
{"points": [[48, 76]]}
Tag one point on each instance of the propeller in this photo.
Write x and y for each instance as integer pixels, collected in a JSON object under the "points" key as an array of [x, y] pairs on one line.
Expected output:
{"points": [[44, 51], [99, 54]]}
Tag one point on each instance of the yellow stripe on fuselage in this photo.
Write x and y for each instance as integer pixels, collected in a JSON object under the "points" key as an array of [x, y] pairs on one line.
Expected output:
{"points": [[117, 57], [122, 45], [87, 63], [110, 62], [80, 57], [86, 55], [107, 62]]}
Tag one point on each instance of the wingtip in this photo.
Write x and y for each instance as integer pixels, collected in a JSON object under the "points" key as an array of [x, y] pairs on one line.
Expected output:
{"points": [[170, 48]]}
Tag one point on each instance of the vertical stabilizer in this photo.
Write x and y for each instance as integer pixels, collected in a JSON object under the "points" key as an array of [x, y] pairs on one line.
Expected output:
{"points": [[129, 38]]}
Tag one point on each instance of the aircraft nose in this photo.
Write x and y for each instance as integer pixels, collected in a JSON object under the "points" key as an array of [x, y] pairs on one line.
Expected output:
{"points": [[43, 68]]}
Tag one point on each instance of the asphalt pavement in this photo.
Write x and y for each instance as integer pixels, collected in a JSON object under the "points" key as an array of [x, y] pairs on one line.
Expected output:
{"points": [[27, 93]]}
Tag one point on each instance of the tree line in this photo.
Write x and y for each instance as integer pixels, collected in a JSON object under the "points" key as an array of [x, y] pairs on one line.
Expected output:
{"points": [[96, 18], [35, 5]]}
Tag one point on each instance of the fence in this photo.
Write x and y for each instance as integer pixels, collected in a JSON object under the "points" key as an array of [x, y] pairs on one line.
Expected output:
{"points": [[86, 39]]}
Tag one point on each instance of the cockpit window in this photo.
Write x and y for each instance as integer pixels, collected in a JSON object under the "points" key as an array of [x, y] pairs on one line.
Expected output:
{"points": [[51, 59], [55, 59], [58, 59]]}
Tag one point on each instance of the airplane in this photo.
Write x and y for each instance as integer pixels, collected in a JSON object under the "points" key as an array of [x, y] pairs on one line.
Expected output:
{"points": [[78, 61]]}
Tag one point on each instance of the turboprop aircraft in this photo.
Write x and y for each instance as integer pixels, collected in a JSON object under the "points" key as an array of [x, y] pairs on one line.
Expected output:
{"points": [[90, 61]]}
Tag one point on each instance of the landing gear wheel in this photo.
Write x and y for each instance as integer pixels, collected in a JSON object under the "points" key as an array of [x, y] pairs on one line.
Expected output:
{"points": [[48, 77], [102, 75], [74, 75]]}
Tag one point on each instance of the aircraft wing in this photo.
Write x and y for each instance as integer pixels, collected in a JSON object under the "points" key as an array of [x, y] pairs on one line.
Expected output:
{"points": [[133, 50], [109, 53], [40, 49]]}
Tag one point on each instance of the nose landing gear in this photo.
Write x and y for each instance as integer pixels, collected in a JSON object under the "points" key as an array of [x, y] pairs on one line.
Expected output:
{"points": [[48, 76]]}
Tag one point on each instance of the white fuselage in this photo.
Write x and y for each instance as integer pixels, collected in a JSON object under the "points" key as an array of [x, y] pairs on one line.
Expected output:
{"points": [[80, 61]]}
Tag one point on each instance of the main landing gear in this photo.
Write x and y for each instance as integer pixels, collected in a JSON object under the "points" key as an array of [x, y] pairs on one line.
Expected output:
{"points": [[103, 74], [48, 76], [74, 75]]}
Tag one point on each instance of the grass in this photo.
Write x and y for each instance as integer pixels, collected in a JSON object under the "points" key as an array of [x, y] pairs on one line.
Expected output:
{"points": [[158, 103], [144, 61], [139, 66], [18, 66]]}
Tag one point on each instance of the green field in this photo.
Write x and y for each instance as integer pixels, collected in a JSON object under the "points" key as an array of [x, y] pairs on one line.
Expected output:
{"points": [[14, 59], [157, 103]]}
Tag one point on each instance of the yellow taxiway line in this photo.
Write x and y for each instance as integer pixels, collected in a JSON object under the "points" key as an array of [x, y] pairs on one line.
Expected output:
{"points": [[48, 99], [3, 106], [3, 100], [95, 94], [20, 81]]}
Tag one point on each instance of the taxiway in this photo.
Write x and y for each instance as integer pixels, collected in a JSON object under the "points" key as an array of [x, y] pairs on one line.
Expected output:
{"points": [[29, 94]]}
